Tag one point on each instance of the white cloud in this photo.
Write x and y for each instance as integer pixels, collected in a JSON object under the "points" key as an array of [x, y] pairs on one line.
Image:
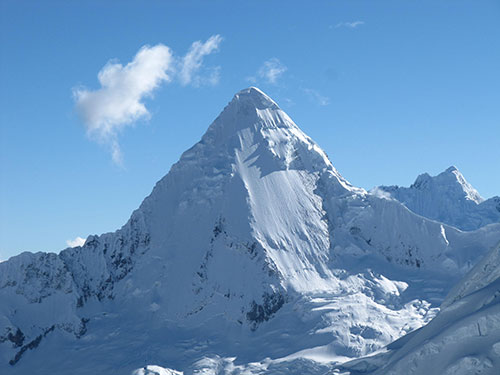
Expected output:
{"points": [[119, 102], [192, 62], [270, 71], [349, 25], [78, 241], [317, 97]]}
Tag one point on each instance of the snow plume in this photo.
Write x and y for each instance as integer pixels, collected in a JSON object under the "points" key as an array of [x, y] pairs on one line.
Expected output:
{"points": [[270, 71], [78, 241], [380, 193], [119, 102], [191, 63]]}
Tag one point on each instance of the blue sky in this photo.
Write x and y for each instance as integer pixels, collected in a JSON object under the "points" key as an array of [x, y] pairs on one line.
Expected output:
{"points": [[389, 89]]}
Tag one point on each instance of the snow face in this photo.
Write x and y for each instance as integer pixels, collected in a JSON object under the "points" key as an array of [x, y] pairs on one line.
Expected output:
{"points": [[484, 273], [447, 198], [252, 237], [463, 339]]}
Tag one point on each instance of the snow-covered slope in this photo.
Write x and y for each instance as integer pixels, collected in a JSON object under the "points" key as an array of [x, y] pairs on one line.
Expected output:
{"points": [[447, 198], [464, 338], [252, 246]]}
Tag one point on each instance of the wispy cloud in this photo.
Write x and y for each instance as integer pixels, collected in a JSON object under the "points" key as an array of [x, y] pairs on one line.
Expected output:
{"points": [[317, 97], [78, 241], [349, 25], [119, 102], [192, 62], [270, 71]]}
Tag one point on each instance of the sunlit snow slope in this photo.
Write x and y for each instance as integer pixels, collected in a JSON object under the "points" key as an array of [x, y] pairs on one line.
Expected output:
{"points": [[252, 246]]}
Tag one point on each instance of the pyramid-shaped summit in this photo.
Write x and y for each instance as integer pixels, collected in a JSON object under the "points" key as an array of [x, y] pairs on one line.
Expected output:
{"points": [[249, 108], [251, 237], [252, 178], [253, 130], [254, 97]]}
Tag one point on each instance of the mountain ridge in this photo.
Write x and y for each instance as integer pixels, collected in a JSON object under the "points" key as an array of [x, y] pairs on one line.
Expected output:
{"points": [[252, 227]]}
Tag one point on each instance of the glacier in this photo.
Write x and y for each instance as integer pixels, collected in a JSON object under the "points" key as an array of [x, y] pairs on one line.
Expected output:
{"points": [[252, 255]]}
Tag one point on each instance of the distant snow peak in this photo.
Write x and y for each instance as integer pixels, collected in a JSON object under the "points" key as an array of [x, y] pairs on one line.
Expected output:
{"points": [[448, 198], [450, 179]]}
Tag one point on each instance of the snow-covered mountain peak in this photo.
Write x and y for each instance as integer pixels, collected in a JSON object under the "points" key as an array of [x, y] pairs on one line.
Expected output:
{"points": [[450, 180], [252, 129], [249, 109], [256, 97], [254, 175], [448, 198]]}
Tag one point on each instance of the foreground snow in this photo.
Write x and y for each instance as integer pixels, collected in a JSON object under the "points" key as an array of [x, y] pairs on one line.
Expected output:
{"points": [[464, 338], [253, 253]]}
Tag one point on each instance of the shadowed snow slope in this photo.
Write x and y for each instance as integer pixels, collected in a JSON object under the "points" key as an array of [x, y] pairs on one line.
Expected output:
{"points": [[253, 246], [447, 198]]}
